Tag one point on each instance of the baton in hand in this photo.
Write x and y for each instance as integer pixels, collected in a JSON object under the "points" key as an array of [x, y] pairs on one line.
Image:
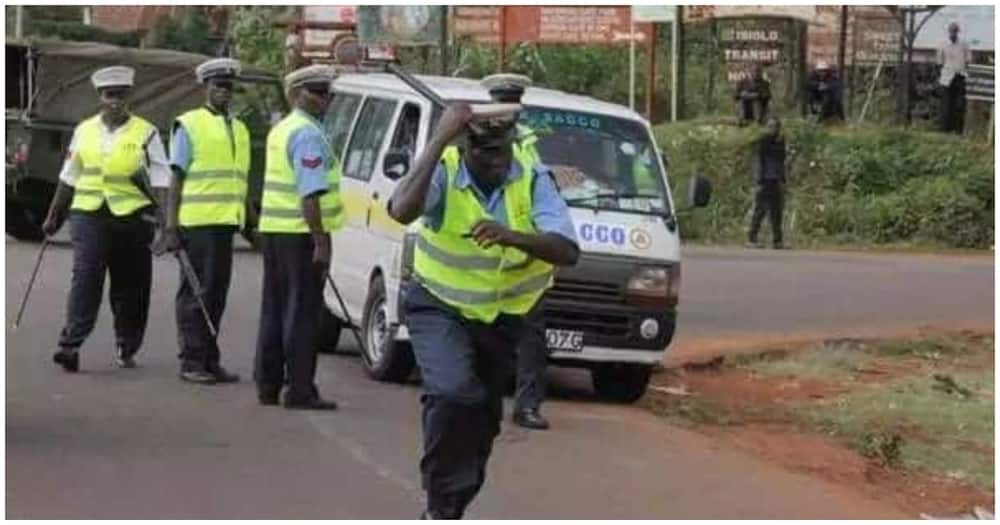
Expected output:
{"points": [[343, 307], [187, 270], [31, 282]]}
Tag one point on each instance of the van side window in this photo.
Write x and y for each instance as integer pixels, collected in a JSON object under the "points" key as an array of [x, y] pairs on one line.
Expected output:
{"points": [[405, 138], [369, 135], [339, 118]]}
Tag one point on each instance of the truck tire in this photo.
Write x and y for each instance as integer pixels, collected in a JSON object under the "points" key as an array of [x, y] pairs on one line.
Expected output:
{"points": [[328, 331], [384, 358], [23, 224], [621, 383]]}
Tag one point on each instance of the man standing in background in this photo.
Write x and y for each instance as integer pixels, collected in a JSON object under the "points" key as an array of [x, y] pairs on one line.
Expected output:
{"points": [[953, 58]]}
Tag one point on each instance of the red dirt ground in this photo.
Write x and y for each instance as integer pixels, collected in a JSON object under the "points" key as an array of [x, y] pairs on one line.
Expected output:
{"points": [[756, 422]]}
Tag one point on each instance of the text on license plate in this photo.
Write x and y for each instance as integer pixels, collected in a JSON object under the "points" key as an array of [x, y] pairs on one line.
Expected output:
{"points": [[571, 340]]}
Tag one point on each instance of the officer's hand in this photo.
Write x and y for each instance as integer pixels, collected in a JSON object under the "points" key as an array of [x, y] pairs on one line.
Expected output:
{"points": [[489, 233], [169, 241], [454, 120], [322, 251], [51, 225], [250, 234]]}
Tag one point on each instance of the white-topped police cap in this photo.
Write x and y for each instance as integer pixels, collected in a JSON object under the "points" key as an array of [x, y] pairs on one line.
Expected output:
{"points": [[316, 74], [114, 76], [216, 68], [505, 82]]}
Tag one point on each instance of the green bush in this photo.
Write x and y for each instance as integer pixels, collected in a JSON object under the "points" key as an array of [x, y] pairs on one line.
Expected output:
{"points": [[847, 185]]}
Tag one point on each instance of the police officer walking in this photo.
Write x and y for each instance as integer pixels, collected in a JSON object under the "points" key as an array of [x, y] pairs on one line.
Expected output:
{"points": [[532, 353], [109, 218], [300, 208], [493, 226], [207, 204]]}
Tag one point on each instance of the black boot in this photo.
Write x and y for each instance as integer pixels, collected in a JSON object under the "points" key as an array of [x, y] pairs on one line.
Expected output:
{"points": [[68, 358]]}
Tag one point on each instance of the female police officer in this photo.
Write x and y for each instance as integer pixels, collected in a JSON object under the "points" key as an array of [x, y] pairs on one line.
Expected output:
{"points": [[493, 226]]}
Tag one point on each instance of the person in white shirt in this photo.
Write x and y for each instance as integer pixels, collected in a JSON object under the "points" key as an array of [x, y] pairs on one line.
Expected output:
{"points": [[103, 192], [953, 58]]}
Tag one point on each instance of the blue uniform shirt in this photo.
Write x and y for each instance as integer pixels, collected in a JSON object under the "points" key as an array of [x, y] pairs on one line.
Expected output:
{"points": [[310, 156], [549, 211]]}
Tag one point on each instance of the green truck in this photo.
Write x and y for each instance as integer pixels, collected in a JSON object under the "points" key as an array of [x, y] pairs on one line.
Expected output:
{"points": [[49, 92]]}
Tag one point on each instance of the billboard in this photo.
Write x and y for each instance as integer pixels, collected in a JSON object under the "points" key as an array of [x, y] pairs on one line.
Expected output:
{"points": [[414, 25], [976, 26], [607, 25]]}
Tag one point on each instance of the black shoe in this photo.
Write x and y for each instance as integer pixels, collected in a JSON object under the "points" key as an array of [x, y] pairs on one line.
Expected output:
{"points": [[311, 403], [124, 359], [268, 396], [530, 419], [222, 375], [68, 358], [197, 375]]}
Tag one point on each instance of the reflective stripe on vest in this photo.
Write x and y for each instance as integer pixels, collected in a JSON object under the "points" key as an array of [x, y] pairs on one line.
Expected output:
{"points": [[281, 204], [481, 283], [108, 178], [215, 184]]}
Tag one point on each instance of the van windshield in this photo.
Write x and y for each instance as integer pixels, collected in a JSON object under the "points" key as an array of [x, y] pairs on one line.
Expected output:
{"points": [[599, 161]]}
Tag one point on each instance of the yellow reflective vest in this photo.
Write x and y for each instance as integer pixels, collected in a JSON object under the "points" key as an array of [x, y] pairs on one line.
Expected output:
{"points": [[481, 283], [215, 184], [281, 205], [108, 178]]}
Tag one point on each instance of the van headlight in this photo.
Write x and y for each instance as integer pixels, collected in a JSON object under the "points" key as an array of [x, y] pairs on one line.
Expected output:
{"points": [[654, 284]]}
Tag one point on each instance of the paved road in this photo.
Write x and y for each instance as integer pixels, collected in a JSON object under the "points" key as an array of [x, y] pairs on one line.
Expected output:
{"points": [[108, 443]]}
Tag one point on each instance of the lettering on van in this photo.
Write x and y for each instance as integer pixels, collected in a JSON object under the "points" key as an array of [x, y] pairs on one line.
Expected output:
{"points": [[609, 234]]}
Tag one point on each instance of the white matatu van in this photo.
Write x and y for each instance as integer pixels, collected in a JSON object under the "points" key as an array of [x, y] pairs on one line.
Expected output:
{"points": [[614, 313]]}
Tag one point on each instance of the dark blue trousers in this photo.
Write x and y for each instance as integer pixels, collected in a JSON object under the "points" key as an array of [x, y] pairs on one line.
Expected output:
{"points": [[210, 249], [532, 360], [119, 247], [292, 293], [465, 366]]}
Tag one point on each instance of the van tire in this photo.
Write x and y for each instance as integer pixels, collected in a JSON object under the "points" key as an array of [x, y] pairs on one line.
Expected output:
{"points": [[384, 358], [621, 383], [328, 331], [24, 224]]}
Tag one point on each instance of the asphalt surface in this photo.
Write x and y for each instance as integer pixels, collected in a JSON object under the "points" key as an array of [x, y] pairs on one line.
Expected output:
{"points": [[109, 443]]}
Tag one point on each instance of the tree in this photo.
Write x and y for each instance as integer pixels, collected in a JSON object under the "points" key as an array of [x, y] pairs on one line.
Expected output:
{"points": [[255, 38], [907, 17]]}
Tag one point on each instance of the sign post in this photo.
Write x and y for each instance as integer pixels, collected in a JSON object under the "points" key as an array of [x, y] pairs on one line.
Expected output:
{"points": [[657, 13]]}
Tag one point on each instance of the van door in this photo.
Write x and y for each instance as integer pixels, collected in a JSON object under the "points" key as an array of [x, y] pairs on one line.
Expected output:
{"points": [[354, 248]]}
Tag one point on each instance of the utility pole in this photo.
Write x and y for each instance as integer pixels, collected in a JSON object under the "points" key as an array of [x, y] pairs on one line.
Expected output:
{"points": [[19, 21], [443, 47]]}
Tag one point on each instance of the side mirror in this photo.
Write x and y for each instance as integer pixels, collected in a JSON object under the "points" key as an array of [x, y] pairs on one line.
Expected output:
{"points": [[699, 192], [396, 164]]}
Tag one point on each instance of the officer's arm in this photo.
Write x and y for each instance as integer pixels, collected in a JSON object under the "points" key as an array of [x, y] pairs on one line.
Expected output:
{"points": [[180, 160], [407, 201], [549, 247]]}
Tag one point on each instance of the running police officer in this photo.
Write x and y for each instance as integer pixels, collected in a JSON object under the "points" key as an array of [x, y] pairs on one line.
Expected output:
{"points": [[207, 204], [532, 353], [300, 208], [109, 218], [493, 226]]}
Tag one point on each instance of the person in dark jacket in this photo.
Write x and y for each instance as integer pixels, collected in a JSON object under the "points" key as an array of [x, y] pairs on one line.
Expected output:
{"points": [[769, 176], [826, 94], [753, 94]]}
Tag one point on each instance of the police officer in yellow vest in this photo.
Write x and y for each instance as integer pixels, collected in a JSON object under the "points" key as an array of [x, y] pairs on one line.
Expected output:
{"points": [[109, 218], [483, 258], [300, 208], [207, 204], [532, 353]]}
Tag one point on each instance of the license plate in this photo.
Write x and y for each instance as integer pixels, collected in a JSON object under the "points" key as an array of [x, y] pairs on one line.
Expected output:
{"points": [[569, 340]]}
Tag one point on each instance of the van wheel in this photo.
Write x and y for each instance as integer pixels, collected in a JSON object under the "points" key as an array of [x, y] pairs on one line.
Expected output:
{"points": [[328, 332], [24, 224], [622, 383], [384, 358]]}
